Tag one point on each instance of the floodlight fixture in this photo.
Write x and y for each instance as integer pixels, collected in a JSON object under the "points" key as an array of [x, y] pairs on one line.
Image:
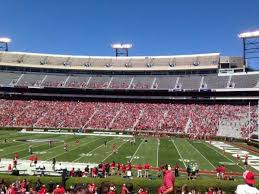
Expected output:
{"points": [[128, 46], [4, 41], [121, 46], [250, 45], [252, 34], [121, 49]]}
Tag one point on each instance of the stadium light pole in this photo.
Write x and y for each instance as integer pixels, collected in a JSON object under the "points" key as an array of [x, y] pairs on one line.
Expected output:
{"points": [[121, 49], [257, 119], [249, 120], [4, 41]]}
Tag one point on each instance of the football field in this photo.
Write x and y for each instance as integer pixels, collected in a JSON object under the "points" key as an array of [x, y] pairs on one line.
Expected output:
{"points": [[92, 149]]}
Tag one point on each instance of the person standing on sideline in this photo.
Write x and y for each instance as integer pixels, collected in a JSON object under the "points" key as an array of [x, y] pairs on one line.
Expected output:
{"points": [[53, 164], [176, 170], [30, 149]]}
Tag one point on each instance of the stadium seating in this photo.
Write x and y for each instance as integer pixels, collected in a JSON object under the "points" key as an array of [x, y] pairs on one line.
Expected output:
{"points": [[198, 119], [165, 82]]}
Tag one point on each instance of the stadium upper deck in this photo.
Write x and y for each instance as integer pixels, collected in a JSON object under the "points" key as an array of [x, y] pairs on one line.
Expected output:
{"points": [[180, 73], [108, 63]]}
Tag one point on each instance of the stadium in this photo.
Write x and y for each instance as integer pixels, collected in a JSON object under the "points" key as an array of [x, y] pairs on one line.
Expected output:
{"points": [[91, 124], [96, 99]]}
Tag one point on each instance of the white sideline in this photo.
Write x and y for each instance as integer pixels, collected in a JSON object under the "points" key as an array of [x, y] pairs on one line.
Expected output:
{"points": [[179, 153], [67, 133], [136, 150], [157, 153]]}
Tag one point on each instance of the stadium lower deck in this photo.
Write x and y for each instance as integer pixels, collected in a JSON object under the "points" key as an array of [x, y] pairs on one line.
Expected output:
{"points": [[92, 150], [193, 118]]}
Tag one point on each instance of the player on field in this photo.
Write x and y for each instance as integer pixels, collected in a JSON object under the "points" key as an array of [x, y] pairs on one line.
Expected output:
{"points": [[65, 146], [114, 148], [78, 142], [105, 143], [50, 144], [30, 149], [224, 151]]}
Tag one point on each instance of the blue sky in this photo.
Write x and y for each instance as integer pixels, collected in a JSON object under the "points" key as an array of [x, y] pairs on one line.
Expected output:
{"points": [[155, 27]]}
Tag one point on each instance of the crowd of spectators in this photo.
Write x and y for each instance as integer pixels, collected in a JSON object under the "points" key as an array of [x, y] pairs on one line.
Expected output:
{"points": [[166, 117]]}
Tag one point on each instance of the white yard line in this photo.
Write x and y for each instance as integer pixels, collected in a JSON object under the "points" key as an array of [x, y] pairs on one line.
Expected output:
{"points": [[112, 152], [157, 153], [179, 153], [136, 150], [222, 154], [92, 151], [73, 148], [202, 155]]}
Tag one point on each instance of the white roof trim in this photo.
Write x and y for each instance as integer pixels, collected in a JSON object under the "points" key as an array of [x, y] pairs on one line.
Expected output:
{"points": [[113, 57]]}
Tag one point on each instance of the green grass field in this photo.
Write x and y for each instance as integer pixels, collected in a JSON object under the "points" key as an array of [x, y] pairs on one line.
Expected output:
{"points": [[92, 150]]}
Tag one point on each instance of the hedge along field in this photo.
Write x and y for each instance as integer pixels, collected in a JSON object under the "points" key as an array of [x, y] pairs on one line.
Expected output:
{"points": [[201, 184]]}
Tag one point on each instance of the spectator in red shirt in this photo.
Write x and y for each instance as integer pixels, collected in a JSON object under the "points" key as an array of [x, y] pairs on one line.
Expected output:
{"points": [[222, 171], [123, 170], [168, 182], [118, 168], [59, 190], [10, 168], [72, 172], [139, 170], [124, 189], [218, 172], [112, 166], [112, 189], [12, 189], [94, 172], [142, 191], [147, 167], [14, 163], [129, 167], [42, 190]]}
